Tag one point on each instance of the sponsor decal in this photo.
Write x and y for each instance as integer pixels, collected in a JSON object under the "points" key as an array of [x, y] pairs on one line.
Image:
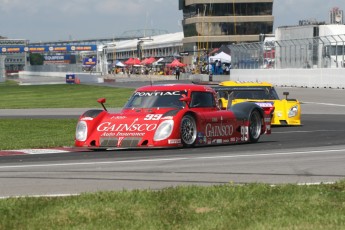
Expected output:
{"points": [[174, 141], [122, 134], [214, 119], [217, 141], [86, 119], [233, 139], [218, 130], [157, 93], [118, 117], [134, 127], [120, 141], [167, 118], [264, 104], [201, 138], [267, 119], [226, 141]]}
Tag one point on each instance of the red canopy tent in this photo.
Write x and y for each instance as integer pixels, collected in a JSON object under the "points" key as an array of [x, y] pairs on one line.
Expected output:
{"points": [[148, 61], [143, 62], [128, 61], [132, 61], [176, 63]]}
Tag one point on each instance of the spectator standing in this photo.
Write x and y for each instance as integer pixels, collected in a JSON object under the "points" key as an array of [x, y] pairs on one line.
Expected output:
{"points": [[177, 73]]}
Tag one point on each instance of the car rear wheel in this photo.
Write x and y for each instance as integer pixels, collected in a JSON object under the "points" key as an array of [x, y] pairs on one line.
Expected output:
{"points": [[255, 126], [188, 131]]}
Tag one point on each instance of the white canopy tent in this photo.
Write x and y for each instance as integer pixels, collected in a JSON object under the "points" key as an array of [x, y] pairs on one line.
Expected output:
{"points": [[158, 61], [120, 64], [223, 57]]}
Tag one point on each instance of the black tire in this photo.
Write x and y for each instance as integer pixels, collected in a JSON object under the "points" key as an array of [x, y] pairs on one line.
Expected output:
{"points": [[255, 126], [188, 131]]}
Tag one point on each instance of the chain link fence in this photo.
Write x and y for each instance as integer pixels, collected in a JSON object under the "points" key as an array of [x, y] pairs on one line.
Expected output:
{"points": [[71, 68], [317, 52]]}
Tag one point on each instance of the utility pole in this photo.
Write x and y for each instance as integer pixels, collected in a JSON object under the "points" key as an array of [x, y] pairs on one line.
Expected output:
{"points": [[140, 46]]}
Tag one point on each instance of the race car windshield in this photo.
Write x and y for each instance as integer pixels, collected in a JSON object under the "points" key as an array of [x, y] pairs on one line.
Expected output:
{"points": [[156, 99], [256, 94]]}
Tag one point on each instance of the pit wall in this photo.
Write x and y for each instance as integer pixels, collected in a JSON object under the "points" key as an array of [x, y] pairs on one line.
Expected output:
{"points": [[311, 78]]}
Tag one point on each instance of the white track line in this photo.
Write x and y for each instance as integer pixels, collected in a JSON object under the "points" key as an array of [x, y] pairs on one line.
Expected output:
{"points": [[318, 103]]}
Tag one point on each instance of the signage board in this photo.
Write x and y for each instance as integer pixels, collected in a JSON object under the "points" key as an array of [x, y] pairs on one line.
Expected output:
{"points": [[70, 78]]}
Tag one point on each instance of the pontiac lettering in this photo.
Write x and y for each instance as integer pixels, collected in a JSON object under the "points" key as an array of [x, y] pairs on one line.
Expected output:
{"points": [[218, 130], [150, 94]]}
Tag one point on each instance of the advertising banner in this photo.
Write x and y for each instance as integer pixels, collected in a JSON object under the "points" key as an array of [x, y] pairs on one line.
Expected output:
{"points": [[70, 78], [89, 61], [12, 49], [44, 48], [57, 59]]}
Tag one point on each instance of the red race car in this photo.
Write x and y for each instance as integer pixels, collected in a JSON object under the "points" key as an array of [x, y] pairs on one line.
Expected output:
{"points": [[172, 115]]}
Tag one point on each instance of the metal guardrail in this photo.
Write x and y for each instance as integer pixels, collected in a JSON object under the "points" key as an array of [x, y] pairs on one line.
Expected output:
{"points": [[317, 52], [73, 68]]}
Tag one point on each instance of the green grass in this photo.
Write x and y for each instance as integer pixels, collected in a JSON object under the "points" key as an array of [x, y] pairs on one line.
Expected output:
{"points": [[13, 96], [254, 206], [36, 133]]}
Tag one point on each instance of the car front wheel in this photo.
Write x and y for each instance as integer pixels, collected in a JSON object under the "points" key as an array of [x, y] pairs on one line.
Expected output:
{"points": [[188, 131]]}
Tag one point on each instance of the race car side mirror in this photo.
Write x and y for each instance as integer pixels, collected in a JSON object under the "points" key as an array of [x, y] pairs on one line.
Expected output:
{"points": [[102, 101], [286, 94], [185, 99]]}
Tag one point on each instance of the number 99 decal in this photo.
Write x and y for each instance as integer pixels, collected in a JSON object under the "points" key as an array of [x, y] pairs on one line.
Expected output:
{"points": [[244, 133], [154, 117]]}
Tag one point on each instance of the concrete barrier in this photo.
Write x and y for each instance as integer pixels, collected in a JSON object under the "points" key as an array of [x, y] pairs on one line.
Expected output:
{"points": [[309, 78], [83, 77]]}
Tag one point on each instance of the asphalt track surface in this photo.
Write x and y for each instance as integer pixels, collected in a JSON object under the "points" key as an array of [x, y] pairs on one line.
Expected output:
{"points": [[311, 153]]}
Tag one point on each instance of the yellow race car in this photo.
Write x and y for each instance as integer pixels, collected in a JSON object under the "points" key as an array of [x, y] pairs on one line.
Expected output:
{"points": [[286, 111]]}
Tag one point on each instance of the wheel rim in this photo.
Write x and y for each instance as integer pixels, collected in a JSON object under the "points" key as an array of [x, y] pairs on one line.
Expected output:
{"points": [[188, 130], [255, 125]]}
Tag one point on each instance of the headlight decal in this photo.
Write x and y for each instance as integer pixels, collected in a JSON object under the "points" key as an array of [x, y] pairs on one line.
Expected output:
{"points": [[81, 131], [164, 130], [293, 111]]}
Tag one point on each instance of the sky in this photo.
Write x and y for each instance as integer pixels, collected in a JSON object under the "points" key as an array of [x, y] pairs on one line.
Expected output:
{"points": [[54, 20]]}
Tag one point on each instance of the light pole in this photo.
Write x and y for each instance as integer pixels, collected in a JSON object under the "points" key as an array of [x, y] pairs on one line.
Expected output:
{"points": [[105, 61]]}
